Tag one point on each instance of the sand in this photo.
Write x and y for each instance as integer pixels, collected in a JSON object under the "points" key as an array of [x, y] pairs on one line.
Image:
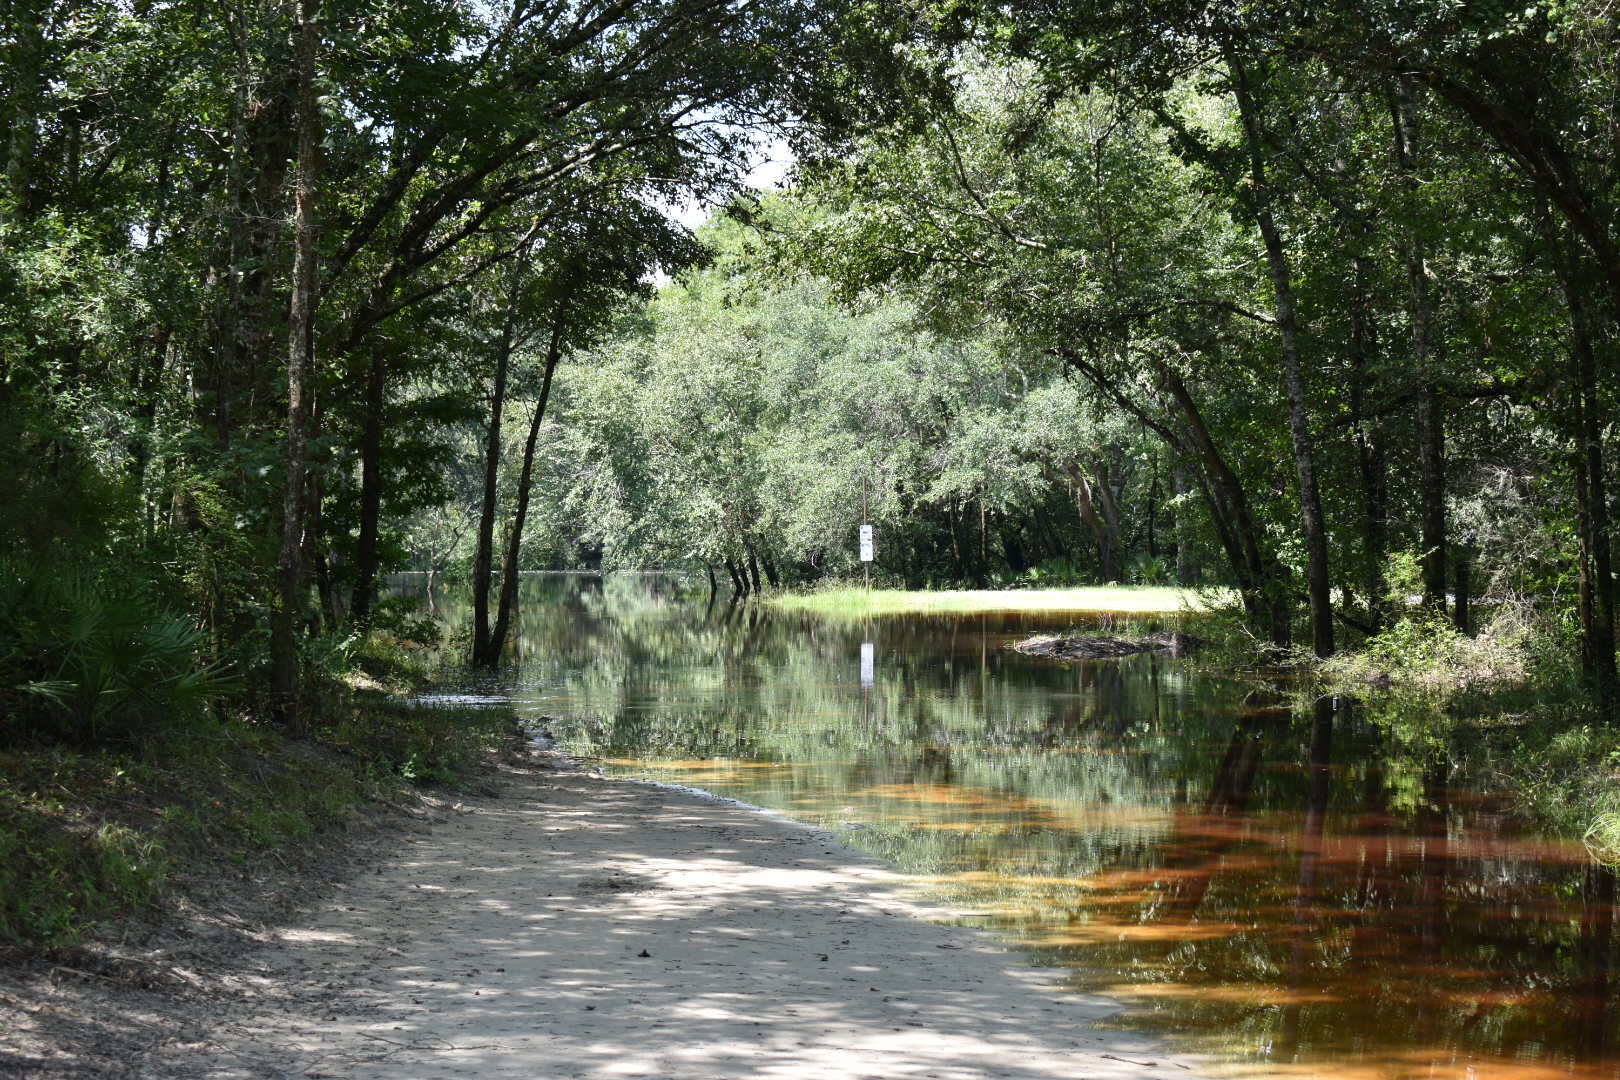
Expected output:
{"points": [[573, 926]]}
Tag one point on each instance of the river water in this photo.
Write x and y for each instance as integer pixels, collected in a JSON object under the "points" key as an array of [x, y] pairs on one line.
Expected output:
{"points": [[1298, 892]]}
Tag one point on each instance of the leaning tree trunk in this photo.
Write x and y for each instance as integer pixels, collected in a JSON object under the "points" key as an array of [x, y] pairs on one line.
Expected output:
{"points": [[300, 361], [1259, 576], [514, 542], [1087, 502], [1261, 581], [1310, 500], [483, 561]]}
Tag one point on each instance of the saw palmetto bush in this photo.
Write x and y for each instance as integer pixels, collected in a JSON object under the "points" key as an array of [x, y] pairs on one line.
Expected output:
{"points": [[95, 659]]}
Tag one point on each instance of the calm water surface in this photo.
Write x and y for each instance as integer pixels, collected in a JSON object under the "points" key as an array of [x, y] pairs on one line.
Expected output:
{"points": [[1299, 893]]}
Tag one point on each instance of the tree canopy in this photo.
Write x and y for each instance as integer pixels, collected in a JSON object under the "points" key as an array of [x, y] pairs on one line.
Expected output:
{"points": [[1291, 300]]}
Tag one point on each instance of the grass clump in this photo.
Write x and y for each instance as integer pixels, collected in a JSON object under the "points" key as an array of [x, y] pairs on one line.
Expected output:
{"points": [[1602, 838]]}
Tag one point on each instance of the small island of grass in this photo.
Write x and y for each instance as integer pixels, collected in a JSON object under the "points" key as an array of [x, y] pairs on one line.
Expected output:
{"points": [[857, 602]]}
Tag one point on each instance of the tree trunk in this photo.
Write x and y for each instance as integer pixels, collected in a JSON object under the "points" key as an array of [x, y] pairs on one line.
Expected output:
{"points": [[365, 548], [982, 580], [1586, 589], [1261, 579], [1087, 504], [953, 515], [1430, 409], [1463, 617], [1310, 501], [300, 364], [326, 589], [27, 85], [520, 514], [1109, 504], [483, 560], [1431, 432], [1591, 490], [314, 506], [1153, 507], [148, 389], [1371, 460], [1012, 547]]}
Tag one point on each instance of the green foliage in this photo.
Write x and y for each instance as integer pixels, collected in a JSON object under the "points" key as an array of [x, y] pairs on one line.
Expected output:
{"points": [[425, 744], [1424, 650], [1561, 766], [1016, 312], [99, 660], [748, 414], [87, 837], [1602, 838], [1054, 572], [55, 882], [1150, 570]]}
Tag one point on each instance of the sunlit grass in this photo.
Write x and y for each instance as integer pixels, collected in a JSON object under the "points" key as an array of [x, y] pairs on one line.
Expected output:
{"points": [[856, 602]]}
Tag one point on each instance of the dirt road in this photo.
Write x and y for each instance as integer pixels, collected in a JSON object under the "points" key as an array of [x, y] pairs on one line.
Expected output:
{"points": [[589, 928]]}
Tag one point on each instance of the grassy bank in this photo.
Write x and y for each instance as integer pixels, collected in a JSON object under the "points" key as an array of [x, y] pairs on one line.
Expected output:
{"points": [[856, 602], [92, 838]]}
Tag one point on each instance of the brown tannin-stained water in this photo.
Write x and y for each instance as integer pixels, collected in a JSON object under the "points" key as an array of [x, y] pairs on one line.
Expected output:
{"points": [[1310, 893]]}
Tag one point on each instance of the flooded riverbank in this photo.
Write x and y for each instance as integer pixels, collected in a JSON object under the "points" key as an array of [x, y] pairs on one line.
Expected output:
{"points": [[1297, 892]]}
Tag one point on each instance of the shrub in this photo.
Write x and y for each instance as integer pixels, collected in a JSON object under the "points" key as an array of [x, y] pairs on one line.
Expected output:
{"points": [[1150, 570], [98, 659], [425, 744], [1425, 649]]}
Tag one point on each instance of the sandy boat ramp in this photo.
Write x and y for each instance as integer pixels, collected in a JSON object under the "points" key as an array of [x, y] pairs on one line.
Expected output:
{"points": [[576, 927]]}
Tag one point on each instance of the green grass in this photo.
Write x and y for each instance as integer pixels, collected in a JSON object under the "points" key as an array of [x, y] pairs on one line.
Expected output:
{"points": [[855, 602], [90, 837]]}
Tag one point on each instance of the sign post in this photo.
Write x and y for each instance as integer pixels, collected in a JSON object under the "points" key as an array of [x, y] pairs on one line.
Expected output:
{"points": [[868, 549]]}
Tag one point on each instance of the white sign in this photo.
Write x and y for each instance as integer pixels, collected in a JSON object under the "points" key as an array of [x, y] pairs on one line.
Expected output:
{"points": [[867, 546], [867, 664]]}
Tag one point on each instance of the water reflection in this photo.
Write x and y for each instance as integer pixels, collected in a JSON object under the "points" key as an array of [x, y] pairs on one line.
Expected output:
{"points": [[1300, 894]]}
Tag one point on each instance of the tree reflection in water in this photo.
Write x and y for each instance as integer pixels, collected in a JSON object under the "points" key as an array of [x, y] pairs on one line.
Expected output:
{"points": [[1306, 893]]}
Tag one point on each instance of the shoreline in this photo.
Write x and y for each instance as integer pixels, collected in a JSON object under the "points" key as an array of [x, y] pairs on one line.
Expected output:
{"points": [[575, 926]]}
